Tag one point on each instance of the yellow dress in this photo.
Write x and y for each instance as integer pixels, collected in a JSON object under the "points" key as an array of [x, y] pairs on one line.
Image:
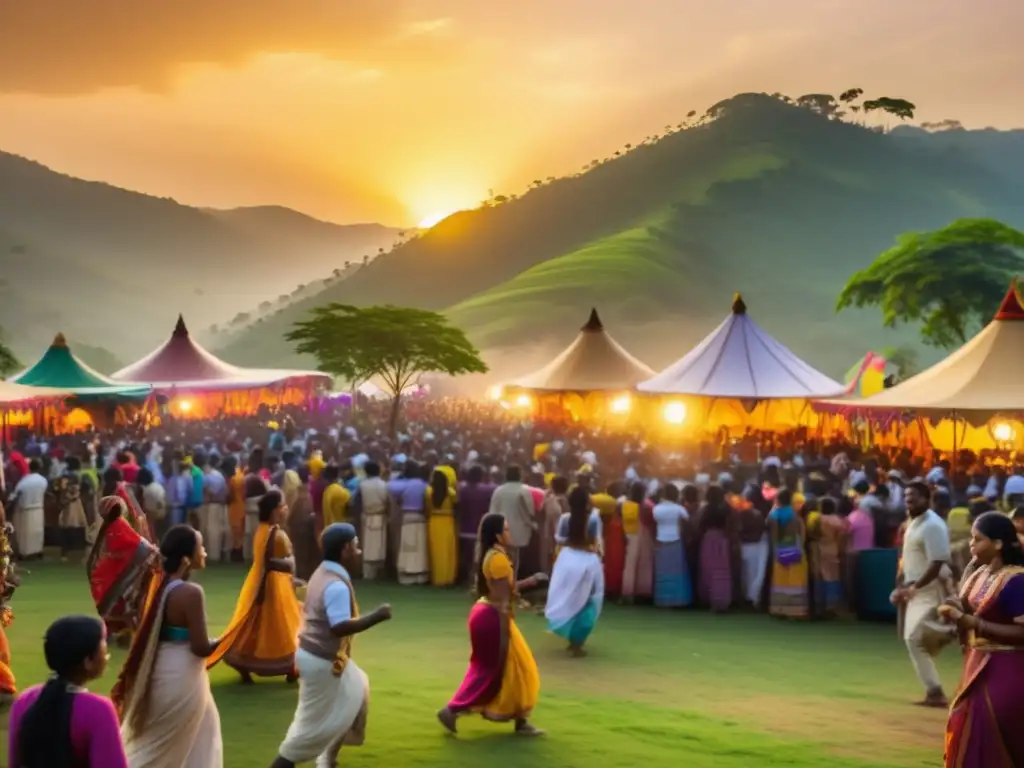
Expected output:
{"points": [[335, 504], [520, 682], [442, 540]]}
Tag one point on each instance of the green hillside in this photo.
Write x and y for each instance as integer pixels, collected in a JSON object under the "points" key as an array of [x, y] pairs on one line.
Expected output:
{"points": [[768, 199], [115, 267]]}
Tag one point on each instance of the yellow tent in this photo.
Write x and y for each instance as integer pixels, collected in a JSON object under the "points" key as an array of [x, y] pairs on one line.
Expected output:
{"points": [[973, 399], [591, 378]]}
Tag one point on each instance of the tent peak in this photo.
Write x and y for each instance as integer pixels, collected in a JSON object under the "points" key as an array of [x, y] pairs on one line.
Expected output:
{"points": [[59, 341], [1011, 308], [179, 327], [739, 307], [594, 322]]}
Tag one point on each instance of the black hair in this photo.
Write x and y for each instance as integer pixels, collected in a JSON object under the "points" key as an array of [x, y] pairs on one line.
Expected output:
{"points": [[827, 506], [921, 488], [303, 473], [111, 477], [784, 498], [492, 527], [998, 527], [74, 464], [178, 543], [579, 517], [513, 474], [144, 478], [44, 737], [372, 469], [637, 492], [331, 473], [690, 494], [671, 493], [475, 475], [438, 488], [213, 461], [268, 503], [560, 485], [255, 460], [229, 466]]}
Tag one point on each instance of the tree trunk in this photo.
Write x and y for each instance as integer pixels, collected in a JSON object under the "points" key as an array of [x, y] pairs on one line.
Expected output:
{"points": [[396, 406]]}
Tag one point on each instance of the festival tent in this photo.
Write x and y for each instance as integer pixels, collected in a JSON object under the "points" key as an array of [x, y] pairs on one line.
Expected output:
{"points": [[740, 377], [59, 368], [972, 399], [13, 394], [592, 375], [23, 406], [201, 385]]}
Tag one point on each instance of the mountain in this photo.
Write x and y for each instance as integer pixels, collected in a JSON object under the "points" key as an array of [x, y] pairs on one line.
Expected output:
{"points": [[761, 197], [115, 267]]}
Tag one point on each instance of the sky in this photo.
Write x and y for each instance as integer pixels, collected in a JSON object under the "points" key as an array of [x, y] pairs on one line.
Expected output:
{"points": [[401, 110]]}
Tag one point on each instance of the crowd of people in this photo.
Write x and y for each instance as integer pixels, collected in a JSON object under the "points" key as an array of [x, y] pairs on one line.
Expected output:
{"points": [[470, 495]]}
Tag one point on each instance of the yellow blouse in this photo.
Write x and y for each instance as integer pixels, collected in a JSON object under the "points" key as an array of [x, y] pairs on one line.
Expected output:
{"points": [[630, 517], [498, 567]]}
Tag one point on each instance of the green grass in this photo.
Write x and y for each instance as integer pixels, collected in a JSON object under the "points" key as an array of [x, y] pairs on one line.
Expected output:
{"points": [[659, 688]]}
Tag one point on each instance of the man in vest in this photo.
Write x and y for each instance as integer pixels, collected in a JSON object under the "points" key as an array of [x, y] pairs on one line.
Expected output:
{"points": [[333, 691]]}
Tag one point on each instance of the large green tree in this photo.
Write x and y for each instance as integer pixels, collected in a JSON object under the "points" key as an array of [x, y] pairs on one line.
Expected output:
{"points": [[392, 344], [950, 280]]}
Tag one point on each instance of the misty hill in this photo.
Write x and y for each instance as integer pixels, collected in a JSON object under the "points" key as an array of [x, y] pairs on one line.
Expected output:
{"points": [[115, 267], [766, 198]]}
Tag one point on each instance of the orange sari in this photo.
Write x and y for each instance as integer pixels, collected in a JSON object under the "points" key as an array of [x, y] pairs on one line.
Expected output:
{"points": [[236, 508], [263, 634], [7, 685]]}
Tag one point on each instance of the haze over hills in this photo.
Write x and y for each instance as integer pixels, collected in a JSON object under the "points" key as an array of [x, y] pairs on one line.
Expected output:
{"points": [[766, 198], [114, 267]]}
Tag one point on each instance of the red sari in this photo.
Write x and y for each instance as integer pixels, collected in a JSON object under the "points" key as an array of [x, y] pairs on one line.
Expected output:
{"points": [[614, 554], [119, 567]]}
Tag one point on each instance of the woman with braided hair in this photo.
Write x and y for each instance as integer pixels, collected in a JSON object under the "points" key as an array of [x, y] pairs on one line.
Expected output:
{"points": [[119, 567]]}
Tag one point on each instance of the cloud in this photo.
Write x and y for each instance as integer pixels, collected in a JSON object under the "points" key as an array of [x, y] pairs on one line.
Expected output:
{"points": [[67, 47]]}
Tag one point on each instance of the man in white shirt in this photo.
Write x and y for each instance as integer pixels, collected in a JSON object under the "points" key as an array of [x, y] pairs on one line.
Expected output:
{"points": [[514, 502], [28, 520], [921, 586]]}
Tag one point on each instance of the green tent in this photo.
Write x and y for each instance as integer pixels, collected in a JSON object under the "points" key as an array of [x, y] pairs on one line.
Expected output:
{"points": [[59, 368]]}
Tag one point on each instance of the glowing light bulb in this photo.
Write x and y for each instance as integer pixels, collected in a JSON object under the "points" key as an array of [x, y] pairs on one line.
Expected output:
{"points": [[675, 413]]}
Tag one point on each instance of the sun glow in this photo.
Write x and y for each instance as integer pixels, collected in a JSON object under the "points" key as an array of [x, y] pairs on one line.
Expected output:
{"points": [[431, 219]]}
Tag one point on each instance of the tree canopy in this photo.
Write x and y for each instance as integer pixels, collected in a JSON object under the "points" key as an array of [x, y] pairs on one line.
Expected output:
{"points": [[950, 280], [389, 343]]}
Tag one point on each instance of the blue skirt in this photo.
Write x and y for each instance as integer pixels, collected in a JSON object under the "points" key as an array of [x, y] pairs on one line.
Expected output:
{"points": [[577, 629], [672, 585]]}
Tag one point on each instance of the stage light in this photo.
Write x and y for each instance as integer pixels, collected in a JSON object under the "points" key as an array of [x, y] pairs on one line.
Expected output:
{"points": [[621, 404], [523, 401], [675, 413], [184, 406], [1004, 433], [495, 392]]}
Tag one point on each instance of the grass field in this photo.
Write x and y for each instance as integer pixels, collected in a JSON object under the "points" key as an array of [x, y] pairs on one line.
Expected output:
{"points": [[658, 688]]}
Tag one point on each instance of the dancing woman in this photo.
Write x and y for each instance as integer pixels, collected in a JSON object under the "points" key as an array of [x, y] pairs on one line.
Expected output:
{"points": [[576, 593], [119, 568], [984, 727], [168, 716], [502, 683]]}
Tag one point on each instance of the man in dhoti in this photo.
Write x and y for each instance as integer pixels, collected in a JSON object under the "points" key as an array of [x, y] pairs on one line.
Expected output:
{"points": [[213, 515], [375, 499], [334, 693], [922, 584], [28, 518]]}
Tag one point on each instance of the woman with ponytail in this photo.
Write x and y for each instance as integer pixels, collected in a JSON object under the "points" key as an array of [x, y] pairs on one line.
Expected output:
{"points": [[984, 730], [168, 715], [60, 723]]}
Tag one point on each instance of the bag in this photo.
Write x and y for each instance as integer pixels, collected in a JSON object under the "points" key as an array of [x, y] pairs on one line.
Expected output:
{"points": [[789, 555]]}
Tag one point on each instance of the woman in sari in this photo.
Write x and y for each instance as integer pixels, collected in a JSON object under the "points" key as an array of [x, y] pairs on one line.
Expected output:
{"points": [[789, 562], [168, 716], [576, 593], [828, 532], [638, 526], [8, 574], [236, 505], [716, 547], [613, 538], [442, 537], [302, 528], [119, 567], [502, 683], [263, 634], [984, 727], [114, 485]]}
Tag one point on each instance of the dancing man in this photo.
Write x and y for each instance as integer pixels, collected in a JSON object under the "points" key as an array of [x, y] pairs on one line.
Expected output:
{"points": [[333, 691]]}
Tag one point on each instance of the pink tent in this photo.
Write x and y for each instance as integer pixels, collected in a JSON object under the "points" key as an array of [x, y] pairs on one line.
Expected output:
{"points": [[182, 364]]}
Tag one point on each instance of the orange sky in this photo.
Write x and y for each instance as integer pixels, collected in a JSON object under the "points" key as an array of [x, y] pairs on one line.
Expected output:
{"points": [[393, 110]]}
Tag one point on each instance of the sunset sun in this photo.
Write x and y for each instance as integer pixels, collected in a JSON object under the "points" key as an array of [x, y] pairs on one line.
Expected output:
{"points": [[431, 219]]}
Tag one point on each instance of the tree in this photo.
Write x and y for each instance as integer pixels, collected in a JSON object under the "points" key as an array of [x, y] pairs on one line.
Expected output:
{"points": [[8, 360], [393, 344], [901, 108], [823, 104], [950, 280]]}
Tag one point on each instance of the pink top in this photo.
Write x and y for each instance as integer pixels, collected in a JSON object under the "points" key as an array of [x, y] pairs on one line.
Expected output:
{"points": [[95, 731], [862, 530], [538, 497]]}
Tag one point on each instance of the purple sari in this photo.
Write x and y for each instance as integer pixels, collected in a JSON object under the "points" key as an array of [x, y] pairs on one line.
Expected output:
{"points": [[984, 728], [489, 640]]}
